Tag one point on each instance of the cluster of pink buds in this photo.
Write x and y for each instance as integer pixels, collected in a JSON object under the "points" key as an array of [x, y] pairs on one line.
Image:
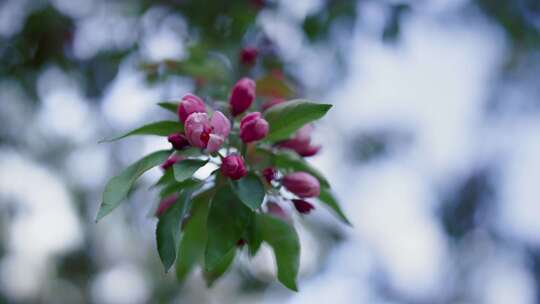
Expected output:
{"points": [[257, 146], [210, 133]]}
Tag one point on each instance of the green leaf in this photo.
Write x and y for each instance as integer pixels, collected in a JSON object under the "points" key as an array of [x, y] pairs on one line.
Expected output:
{"points": [[175, 186], [169, 106], [170, 223], [286, 118], [227, 221], [271, 86], [160, 128], [220, 269], [253, 236], [168, 230], [185, 168], [290, 161], [250, 191], [166, 178], [326, 197], [119, 186], [284, 240], [193, 243], [189, 152]]}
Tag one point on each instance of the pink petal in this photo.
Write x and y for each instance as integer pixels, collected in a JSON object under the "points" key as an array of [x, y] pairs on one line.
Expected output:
{"points": [[195, 125], [214, 142], [220, 124]]}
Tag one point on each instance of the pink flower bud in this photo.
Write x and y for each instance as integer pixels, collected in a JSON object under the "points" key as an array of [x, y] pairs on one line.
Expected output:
{"points": [[204, 133], [242, 96], [190, 104], [302, 184], [178, 140], [276, 210], [248, 55], [253, 127], [302, 206], [301, 142], [165, 204], [257, 4], [272, 102], [269, 174], [173, 159], [233, 167]]}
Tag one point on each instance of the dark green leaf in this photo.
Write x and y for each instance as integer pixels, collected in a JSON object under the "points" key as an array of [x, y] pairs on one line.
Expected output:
{"points": [[284, 240], [185, 169], [250, 191], [119, 186], [220, 269], [227, 221], [326, 197], [166, 178], [189, 152], [169, 106], [286, 118], [193, 243], [175, 186], [290, 161], [253, 236], [168, 229], [160, 128]]}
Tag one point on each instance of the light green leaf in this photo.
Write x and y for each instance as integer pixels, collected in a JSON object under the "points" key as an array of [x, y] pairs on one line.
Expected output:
{"points": [[227, 221], [185, 168], [193, 243], [250, 191], [326, 197], [119, 186], [160, 128], [220, 269], [169, 106], [284, 240], [286, 118]]}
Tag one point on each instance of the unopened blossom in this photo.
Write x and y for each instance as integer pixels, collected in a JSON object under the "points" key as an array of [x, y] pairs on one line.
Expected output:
{"points": [[301, 142], [303, 206], [253, 127], [242, 96], [276, 210], [233, 167], [178, 140], [302, 184], [165, 204], [248, 55], [188, 105], [207, 133], [269, 174], [173, 159]]}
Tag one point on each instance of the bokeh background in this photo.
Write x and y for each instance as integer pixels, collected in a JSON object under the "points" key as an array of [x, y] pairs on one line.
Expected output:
{"points": [[433, 146]]}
